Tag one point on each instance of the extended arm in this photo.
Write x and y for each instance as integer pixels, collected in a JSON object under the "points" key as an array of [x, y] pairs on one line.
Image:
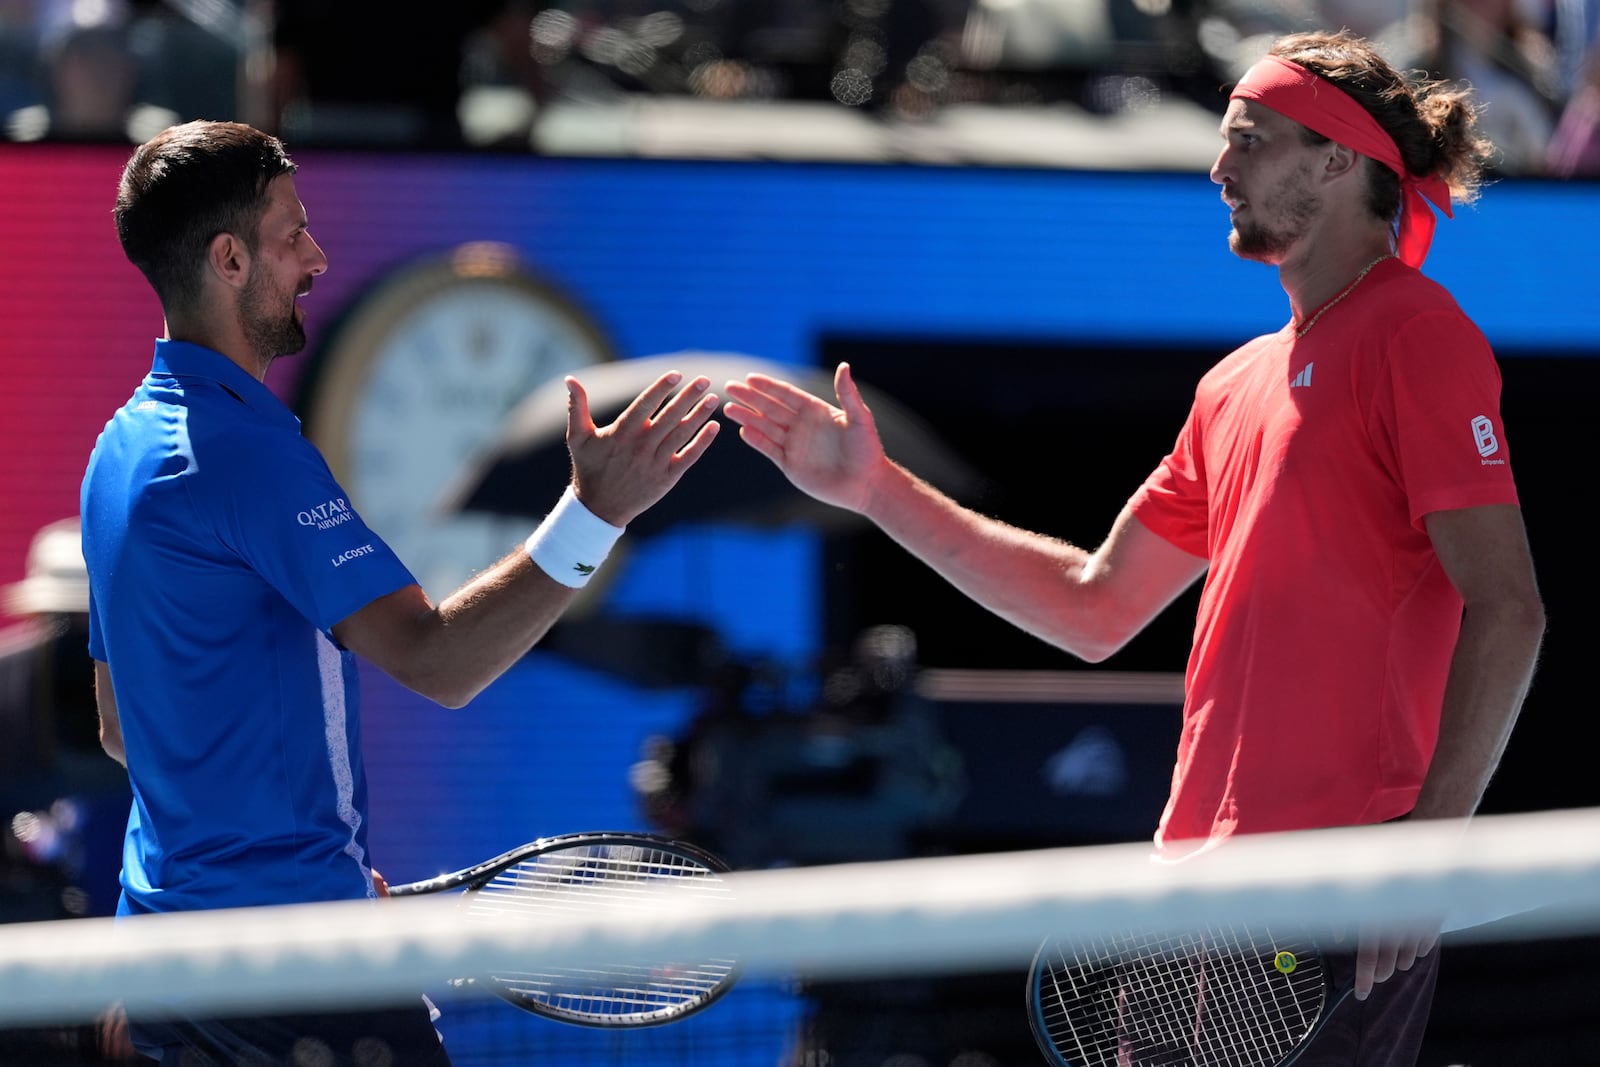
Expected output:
{"points": [[451, 651], [1088, 603]]}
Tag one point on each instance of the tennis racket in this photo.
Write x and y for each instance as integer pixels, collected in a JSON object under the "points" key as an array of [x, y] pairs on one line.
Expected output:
{"points": [[1223, 996], [595, 873]]}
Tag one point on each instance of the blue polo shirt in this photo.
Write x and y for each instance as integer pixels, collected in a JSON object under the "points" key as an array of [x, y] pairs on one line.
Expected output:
{"points": [[221, 551]]}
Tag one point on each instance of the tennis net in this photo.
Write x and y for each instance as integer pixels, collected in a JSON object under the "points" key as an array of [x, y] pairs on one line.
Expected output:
{"points": [[832, 956]]}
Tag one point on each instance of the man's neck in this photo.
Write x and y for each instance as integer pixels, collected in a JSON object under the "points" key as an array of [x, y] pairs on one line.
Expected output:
{"points": [[227, 339], [1324, 270]]}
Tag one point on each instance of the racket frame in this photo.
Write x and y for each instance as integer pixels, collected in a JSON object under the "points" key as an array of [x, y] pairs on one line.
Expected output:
{"points": [[478, 876]]}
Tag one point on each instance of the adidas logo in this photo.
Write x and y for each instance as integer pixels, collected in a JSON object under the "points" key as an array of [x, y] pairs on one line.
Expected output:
{"points": [[1303, 378]]}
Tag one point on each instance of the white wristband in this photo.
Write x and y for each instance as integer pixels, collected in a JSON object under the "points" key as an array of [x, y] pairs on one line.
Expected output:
{"points": [[571, 542]]}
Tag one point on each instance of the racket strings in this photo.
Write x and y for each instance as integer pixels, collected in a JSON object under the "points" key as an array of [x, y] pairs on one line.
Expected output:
{"points": [[1247, 1021], [586, 878], [595, 878], [1164, 998], [1208, 999]]}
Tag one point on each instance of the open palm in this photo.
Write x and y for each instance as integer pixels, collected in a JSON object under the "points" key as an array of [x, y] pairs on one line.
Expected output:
{"points": [[828, 452]]}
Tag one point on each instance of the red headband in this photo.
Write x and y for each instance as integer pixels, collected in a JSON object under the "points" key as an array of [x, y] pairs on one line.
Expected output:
{"points": [[1317, 104]]}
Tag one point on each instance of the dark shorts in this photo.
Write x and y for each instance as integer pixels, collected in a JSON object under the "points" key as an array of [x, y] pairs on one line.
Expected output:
{"points": [[402, 1037], [1386, 1029]]}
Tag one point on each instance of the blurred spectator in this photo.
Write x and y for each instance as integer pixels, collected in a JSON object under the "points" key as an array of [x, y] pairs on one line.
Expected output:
{"points": [[91, 81], [64, 800], [19, 56], [502, 83], [1377, 20], [190, 56], [52, 600], [372, 74], [1575, 145], [481, 73], [1510, 60], [1576, 33]]}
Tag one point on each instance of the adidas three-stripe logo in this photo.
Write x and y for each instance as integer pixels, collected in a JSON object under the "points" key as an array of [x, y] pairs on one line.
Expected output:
{"points": [[1303, 378]]}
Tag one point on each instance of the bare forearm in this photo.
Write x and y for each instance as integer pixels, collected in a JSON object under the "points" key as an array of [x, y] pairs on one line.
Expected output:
{"points": [[1054, 590], [1489, 678], [493, 620], [451, 652]]}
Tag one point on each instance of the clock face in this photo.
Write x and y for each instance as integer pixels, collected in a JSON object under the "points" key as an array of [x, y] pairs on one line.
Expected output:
{"points": [[420, 379]]}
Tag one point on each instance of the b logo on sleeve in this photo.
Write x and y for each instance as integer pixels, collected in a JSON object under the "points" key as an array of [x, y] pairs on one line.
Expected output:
{"points": [[1484, 436]]}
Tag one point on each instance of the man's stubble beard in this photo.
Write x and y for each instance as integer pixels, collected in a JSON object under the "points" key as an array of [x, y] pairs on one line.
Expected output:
{"points": [[1267, 245], [268, 335]]}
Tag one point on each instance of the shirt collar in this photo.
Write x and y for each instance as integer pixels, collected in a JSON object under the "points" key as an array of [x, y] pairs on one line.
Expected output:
{"points": [[185, 360]]}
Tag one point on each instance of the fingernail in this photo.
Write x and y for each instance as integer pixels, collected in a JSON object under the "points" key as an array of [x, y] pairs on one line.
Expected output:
{"points": [[674, 377]]}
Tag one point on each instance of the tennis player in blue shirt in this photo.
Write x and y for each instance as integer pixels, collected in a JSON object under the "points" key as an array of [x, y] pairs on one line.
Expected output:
{"points": [[232, 584]]}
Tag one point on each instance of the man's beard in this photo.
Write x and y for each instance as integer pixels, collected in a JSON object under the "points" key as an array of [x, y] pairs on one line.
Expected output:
{"points": [[269, 335], [1259, 243], [1299, 208]]}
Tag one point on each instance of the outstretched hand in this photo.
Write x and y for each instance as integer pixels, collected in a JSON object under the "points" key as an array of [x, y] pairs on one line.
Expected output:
{"points": [[828, 452], [620, 470]]}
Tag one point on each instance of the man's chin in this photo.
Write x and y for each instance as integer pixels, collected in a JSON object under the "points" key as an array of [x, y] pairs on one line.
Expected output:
{"points": [[1253, 248], [294, 340], [288, 343]]}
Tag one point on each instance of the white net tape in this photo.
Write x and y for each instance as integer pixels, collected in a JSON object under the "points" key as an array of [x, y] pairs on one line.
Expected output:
{"points": [[859, 920]]}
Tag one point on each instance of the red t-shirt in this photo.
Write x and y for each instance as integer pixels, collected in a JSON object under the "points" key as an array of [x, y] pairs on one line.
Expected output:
{"points": [[1326, 622]]}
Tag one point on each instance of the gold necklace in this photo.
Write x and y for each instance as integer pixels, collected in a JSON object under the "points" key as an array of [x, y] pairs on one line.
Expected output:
{"points": [[1301, 331]]}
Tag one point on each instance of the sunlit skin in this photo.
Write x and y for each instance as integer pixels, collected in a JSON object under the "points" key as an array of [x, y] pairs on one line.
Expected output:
{"points": [[1297, 206], [248, 308], [1266, 174], [272, 319], [285, 261]]}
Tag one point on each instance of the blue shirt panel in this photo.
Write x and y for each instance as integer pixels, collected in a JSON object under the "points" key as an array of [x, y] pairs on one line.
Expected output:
{"points": [[221, 551]]}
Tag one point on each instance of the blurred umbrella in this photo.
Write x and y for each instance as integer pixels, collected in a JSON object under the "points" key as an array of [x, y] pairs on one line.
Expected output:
{"points": [[527, 459]]}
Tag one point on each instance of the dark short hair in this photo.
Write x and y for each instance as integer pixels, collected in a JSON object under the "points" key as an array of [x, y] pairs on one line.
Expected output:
{"points": [[183, 187]]}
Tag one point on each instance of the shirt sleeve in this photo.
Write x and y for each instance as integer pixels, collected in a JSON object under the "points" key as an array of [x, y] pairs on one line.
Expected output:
{"points": [[1173, 501], [1436, 417], [286, 516]]}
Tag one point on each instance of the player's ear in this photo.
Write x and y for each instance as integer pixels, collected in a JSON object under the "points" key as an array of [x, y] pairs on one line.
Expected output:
{"points": [[1340, 161], [228, 258]]}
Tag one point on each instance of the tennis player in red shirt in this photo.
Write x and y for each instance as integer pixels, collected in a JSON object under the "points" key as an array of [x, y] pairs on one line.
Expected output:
{"points": [[1369, 619]]}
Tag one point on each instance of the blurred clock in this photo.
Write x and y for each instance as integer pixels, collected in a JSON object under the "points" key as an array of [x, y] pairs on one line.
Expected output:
{"points": [[417, 378]]}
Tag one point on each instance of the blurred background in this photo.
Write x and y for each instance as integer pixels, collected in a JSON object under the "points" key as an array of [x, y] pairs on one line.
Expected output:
{"points": [[929, 80], [998, 211]]}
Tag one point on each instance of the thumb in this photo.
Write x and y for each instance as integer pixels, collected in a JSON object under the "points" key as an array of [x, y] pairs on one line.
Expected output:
{"points": [[579, 420], [850, 399]]}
